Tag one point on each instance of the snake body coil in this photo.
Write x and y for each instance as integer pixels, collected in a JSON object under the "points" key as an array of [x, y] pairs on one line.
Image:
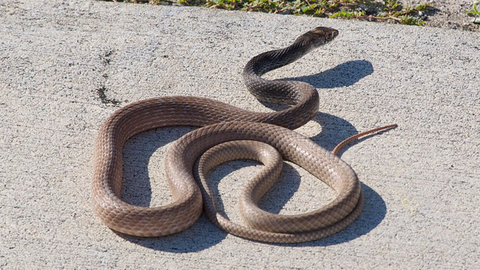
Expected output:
{"points": [[222, 123]]}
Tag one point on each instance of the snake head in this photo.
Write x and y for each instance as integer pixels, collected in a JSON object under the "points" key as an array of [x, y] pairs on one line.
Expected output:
{"points": [[317, 37]]}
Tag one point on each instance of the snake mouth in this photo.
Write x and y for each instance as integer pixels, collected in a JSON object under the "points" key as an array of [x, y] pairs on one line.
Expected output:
{"points": [[326, 33], [331, 35]]}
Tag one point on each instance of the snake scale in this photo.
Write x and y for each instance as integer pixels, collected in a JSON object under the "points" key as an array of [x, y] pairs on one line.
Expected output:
{"points": [[226, 133]]}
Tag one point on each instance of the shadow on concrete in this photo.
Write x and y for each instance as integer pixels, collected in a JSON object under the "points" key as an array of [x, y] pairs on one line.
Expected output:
{"points": [[137, 152], [334, 129], [343, 75], [203, 234]]}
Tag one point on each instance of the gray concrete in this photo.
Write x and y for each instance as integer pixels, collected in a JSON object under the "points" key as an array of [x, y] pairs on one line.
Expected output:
{"points": [[421, 180]]}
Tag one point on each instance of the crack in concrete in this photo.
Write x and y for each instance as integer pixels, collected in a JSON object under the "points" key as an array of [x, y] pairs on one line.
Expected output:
{"points": [[102, 90]]}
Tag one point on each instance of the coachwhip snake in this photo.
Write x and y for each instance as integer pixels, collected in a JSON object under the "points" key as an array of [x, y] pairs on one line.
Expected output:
{"points": [[229, 133]]}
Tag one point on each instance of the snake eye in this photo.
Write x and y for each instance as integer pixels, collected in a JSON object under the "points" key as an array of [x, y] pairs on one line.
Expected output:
{"points": [[332, 35]]}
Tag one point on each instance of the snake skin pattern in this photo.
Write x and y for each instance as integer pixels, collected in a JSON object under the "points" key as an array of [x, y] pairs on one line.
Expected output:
{"points": [[227, 132]]}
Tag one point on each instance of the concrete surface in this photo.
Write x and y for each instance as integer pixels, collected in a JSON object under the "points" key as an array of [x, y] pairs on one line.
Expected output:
{"points": [[66, 65]]}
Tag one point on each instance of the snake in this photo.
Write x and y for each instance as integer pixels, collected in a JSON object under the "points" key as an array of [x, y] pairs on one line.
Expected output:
{"points": [[225, 133]]}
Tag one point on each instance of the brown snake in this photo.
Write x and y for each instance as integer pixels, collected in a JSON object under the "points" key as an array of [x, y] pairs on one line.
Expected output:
{"points": [[230, 133]]}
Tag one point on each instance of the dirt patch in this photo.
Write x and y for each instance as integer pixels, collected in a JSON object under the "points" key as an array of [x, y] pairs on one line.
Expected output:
{"points": [[449, 14]]}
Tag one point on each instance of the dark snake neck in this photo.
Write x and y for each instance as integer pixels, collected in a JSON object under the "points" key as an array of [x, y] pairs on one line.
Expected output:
{"points": [[271, 60], [278, 91]]}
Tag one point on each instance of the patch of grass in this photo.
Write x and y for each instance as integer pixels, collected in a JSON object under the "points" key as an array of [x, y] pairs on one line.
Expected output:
{"points": [[475, 12], [372, 10], [347, 14]]}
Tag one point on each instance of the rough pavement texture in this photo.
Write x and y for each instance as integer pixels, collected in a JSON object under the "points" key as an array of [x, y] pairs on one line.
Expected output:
{"points": [[66, 65]]}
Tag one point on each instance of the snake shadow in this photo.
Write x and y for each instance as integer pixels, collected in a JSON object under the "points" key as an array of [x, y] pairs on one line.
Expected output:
{"points": [[203, 234], [334, 129], [343, 75]]}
